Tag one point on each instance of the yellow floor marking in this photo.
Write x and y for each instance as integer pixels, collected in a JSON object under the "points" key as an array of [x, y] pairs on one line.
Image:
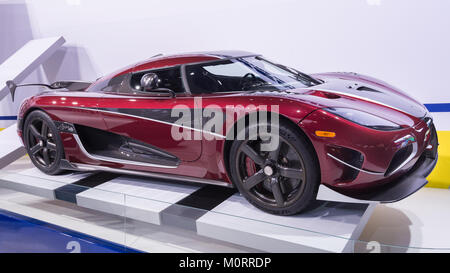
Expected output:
{"points": [[440, 176]]}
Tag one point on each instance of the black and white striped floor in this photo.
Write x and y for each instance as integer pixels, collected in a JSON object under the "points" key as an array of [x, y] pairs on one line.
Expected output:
{"points": [[211, 211]]}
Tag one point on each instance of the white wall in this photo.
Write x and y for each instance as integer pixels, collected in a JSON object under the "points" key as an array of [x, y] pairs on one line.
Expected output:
{"points": [[405, 42]]}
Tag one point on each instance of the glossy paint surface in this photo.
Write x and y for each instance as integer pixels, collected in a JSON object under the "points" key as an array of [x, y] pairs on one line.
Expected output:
{"points": [[378, 148], [206, 158], [153, 132]]}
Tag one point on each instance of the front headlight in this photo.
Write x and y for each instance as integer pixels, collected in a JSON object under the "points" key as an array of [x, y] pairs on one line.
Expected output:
{"points": [[364, 119]]}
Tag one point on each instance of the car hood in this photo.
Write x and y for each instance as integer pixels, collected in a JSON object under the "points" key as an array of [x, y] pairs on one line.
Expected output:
{"points": [[369, 88], [363, 93]]}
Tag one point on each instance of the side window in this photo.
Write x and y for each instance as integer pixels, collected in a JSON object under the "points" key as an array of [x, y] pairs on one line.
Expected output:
{"points": [[222, 76], [116, 84], [168, 78]]}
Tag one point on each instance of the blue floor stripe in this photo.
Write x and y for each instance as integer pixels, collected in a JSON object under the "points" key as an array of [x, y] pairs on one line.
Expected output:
{"points": [[438, 107], [8, 117], [21, 234]]}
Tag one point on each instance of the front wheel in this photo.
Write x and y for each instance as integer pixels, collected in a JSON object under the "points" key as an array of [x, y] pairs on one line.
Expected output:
{"points": [[282, 181], [43, 142]]}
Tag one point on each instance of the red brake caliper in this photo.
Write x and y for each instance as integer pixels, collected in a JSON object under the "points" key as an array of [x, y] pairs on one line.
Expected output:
{"points": [[250, 166]]}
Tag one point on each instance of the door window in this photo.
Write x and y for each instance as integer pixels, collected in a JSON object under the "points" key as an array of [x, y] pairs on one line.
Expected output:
{"points": [[169, 78]]}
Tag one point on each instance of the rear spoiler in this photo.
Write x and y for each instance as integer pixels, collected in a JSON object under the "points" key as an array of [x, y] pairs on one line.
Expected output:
{"points": [[71, 85]]}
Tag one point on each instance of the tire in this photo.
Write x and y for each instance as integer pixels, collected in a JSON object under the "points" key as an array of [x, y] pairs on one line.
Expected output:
{"points": [[43, 142], [295, 177]]}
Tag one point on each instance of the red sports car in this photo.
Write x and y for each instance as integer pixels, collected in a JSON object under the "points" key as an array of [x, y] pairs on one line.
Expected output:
{"points": [[178, 116]]}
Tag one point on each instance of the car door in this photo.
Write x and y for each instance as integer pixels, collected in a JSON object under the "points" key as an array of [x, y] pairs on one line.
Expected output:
{"points": [[149, 119]]}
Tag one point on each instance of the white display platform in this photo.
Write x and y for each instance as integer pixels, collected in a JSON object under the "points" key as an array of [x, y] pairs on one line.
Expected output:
{"points": [[136, 198], [19, 65], [35, 182], [330, 227], [11, 146]]}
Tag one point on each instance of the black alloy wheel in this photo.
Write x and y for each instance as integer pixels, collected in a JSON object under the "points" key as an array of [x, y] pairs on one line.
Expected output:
{"points": [[43, 142], [283, 181]]}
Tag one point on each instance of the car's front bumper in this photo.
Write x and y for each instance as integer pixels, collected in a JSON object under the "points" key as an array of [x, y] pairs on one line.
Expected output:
{"points": [[364, 164], [402, 187], [408, 183]]}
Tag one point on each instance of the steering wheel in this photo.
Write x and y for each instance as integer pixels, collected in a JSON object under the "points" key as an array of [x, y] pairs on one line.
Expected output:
{"points": [[246, 79]]}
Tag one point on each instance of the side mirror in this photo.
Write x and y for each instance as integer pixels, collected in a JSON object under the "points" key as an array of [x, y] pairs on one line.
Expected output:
{"points": [[149, 81]]}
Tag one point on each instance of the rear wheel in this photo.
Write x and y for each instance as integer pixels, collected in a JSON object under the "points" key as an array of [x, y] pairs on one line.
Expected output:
{"points": [[43, 142], [283, 181]]}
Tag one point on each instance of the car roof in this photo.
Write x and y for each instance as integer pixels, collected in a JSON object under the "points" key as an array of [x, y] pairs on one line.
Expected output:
{"points": [[161, 60]]}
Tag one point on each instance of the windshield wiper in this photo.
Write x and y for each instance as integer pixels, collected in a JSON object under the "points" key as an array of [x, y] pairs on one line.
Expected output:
{"points": [[265, 86], [301, 75], [307, 77]]}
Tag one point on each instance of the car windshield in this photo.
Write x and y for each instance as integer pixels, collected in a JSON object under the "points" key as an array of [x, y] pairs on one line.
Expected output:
{"points": [[245, 74]]}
